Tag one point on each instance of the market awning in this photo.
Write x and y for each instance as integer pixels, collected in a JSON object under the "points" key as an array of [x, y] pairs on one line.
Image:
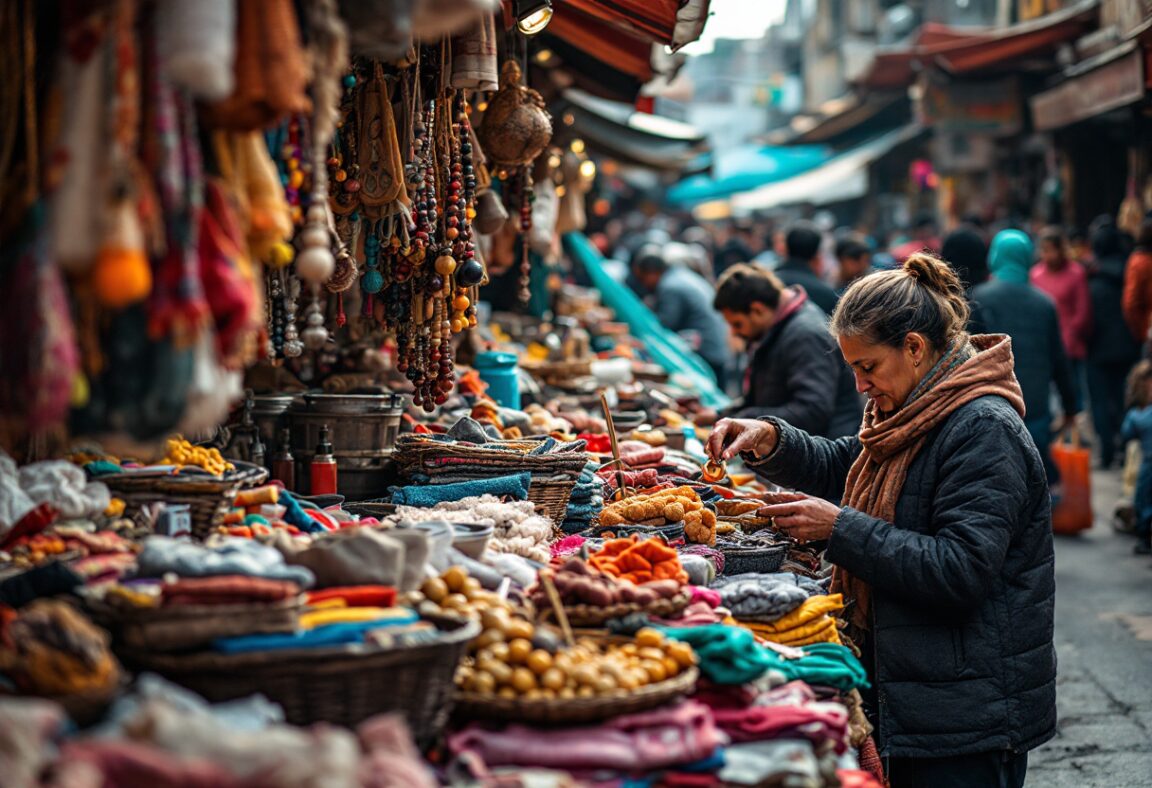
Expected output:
{"points": [[853, 115], [673, 23], [621, 49], [968, 51], [590, 74], [844, 177], [1109, 81], [745, 168], [618, 130]]}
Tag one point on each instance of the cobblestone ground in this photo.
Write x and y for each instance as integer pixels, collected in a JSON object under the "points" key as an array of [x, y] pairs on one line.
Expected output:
{"points": [[1104, 642]]}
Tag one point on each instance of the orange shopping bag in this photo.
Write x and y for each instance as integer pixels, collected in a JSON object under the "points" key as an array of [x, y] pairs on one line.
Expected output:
{"points": [[1073, 513]]}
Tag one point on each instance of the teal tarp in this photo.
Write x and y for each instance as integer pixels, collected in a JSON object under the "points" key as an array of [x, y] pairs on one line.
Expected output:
{"points": [[667, 349], [745, 168]]}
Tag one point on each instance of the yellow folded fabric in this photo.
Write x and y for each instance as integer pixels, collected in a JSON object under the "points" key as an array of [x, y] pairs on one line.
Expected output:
{"points": [[348, 615], [812, 609], [822, 630]]}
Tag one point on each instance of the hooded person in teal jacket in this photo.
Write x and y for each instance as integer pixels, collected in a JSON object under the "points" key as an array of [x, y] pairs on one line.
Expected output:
{"points": [[1010, 305]]}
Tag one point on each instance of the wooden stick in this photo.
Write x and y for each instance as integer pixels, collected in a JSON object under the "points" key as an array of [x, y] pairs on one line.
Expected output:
{"points": [[557, 606], [615, 443]]}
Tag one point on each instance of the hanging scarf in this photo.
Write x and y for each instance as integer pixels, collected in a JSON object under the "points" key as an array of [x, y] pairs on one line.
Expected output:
{"points": [[967, 371]]}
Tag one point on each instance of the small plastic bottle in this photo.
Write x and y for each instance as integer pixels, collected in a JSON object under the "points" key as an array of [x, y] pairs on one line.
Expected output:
{"points": [[323, 467]]}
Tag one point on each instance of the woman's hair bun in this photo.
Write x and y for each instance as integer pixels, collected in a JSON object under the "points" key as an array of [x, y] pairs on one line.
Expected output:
{"points": [[932, 272]]}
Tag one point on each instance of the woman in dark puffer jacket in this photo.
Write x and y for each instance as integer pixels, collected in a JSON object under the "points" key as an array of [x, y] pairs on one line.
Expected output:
{"points": [[943, 547]]}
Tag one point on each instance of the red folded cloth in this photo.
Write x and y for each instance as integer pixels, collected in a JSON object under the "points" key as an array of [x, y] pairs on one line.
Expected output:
{"points": [[356, 596], [227, 590]]}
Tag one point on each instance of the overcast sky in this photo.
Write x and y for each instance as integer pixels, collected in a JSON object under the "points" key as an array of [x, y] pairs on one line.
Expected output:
{"points": [[737, 19]]}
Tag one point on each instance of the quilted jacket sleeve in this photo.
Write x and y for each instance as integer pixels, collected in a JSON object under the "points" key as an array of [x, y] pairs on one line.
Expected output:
{"points": [[813, 465], [980, 496]]}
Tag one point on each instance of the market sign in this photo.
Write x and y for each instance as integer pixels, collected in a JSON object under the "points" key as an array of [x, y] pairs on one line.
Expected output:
{"points": [[1115, 84], [967, 107]]}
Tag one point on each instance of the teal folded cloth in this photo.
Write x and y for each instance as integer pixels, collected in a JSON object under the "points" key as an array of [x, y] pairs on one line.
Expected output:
{"points": [[728, 655], [827, 664], [426, 495], [329, 635], [731, 655]]}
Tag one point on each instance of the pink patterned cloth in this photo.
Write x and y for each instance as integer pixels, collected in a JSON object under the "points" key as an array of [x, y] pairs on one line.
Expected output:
{"points": [[640, 742]]}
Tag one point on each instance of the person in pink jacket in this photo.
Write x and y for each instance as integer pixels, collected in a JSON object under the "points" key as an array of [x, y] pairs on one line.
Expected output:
{"points": [[1066, 282]]}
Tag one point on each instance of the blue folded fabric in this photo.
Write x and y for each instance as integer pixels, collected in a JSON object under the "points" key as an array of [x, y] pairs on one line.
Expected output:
{"points": [[330, 635], [426, 495], [294, 514]]}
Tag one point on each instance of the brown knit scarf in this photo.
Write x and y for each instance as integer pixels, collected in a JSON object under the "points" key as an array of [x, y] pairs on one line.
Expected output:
{"points": [[978, 368]]}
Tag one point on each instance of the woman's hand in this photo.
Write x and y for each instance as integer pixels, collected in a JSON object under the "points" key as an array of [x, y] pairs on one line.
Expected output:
{"points": [[803, 518], [731, 436]]}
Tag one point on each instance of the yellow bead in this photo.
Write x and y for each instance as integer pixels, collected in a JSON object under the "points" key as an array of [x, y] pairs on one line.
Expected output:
{"points": [[445, 265], [341, 176], [296, 179]]}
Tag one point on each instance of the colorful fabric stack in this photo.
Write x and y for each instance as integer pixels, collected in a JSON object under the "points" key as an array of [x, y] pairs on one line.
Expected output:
{"points": [[808, 624], [586, 501]]}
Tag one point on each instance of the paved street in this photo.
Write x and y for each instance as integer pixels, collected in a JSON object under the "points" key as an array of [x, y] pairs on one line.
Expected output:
{"points": [[1104, 641]]}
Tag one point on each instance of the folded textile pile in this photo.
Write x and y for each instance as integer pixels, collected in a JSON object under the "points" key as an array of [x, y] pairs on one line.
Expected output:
{"points": [[226, 590], [808, 623], [824, 664], [764, 598], [642, 742], [728, 654], [162, 555], [161, 742], [790, 711], [515, 486], [586, 501]]}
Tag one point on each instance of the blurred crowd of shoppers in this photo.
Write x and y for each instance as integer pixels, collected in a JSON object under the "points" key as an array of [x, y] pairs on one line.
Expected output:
{"points": [[754, 299]]}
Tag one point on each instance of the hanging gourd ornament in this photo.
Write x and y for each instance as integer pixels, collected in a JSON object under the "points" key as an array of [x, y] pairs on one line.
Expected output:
{"points": [[516, 126], [121, 275], [315, 263]]}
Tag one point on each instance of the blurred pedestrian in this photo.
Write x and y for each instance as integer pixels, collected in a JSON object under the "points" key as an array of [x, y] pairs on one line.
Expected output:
{"points": [[1138, 284], [1010, 305], [795, 371], [1112, 348], [855, 260], [736, 248], [1066, 282], [1138, 427], [682, 301], [922, 238], [967, 253], [803, 268]]}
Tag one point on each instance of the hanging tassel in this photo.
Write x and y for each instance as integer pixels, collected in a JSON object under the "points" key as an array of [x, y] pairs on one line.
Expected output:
{"points": [[122, 275]]}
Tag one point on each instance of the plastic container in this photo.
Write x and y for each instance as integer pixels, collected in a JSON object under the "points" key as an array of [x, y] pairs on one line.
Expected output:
{"points": [[502, 374]]}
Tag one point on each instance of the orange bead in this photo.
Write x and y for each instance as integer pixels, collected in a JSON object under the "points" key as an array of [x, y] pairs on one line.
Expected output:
{"points": [[458, 325], [461, 302]]}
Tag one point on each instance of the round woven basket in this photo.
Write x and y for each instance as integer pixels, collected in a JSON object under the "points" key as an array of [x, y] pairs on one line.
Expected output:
{"points": [[208, 497], [576, 711], [343, 686]]}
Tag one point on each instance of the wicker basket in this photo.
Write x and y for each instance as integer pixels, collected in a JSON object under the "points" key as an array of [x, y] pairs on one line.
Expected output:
{"points": [[185, 627], [208, 497], [343, 686], [595, 615], [575, 711], [554, 476]]}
